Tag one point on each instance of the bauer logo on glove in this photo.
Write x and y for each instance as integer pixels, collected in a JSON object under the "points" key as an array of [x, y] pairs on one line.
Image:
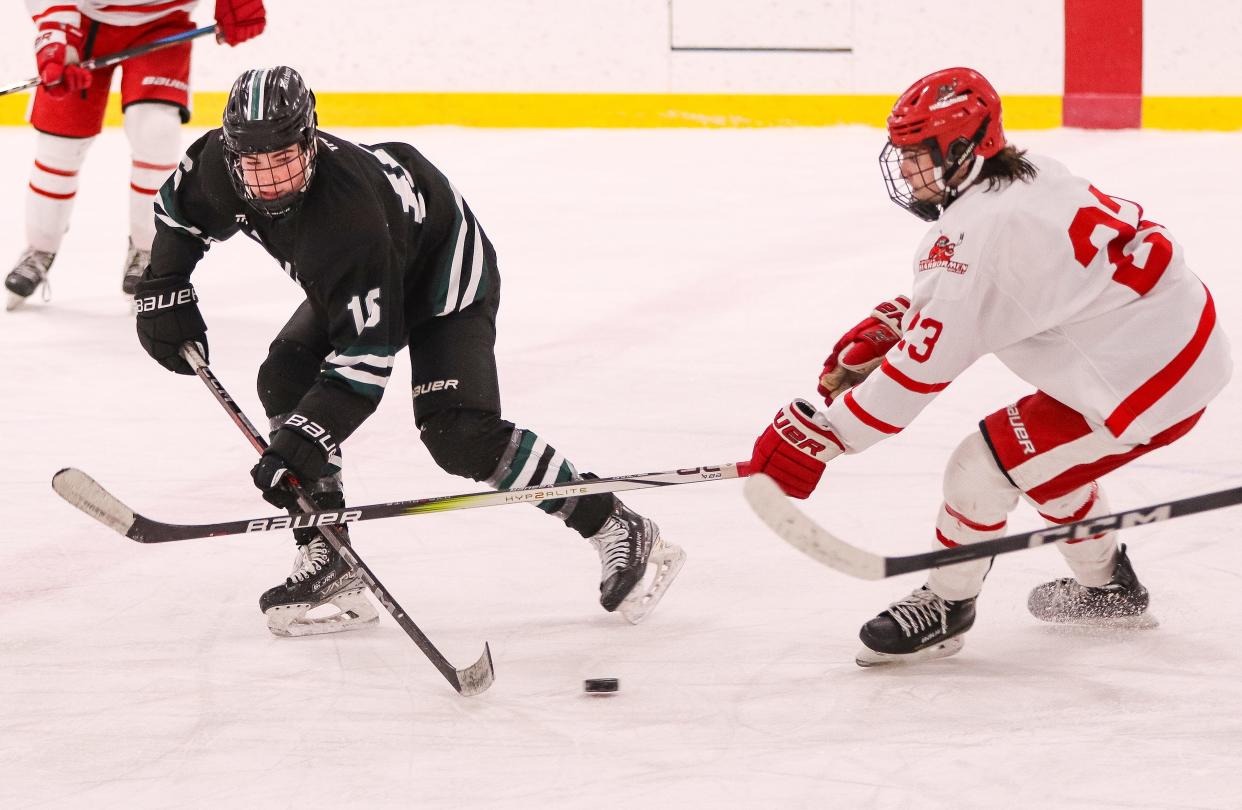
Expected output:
{"points": [[793, 449], [176, 298], [789, 430]]}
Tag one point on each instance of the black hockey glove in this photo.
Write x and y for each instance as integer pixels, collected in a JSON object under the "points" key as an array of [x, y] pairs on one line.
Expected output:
{"points": [[167, 309], [292, 452]]}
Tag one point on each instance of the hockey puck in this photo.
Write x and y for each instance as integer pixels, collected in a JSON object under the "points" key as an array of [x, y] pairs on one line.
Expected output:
{"points": [[601, 686]]}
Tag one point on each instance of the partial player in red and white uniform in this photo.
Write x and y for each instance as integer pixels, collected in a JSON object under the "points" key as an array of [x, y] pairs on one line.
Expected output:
{"points": [[1072, 289], [68, 112]]}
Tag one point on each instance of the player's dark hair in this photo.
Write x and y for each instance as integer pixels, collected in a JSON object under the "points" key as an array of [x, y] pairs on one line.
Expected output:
{"points": [[1007, 166]]}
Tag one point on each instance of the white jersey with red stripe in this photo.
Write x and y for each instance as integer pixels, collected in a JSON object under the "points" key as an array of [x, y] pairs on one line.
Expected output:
{"points": [[112, 12], [1073, 290]]}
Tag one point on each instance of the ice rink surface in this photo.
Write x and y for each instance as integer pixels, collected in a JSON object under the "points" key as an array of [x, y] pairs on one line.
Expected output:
{"points": [[664, 293]]}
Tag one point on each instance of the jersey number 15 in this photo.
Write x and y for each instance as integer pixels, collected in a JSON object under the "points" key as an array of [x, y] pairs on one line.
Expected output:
{"points": [[366, 313]]}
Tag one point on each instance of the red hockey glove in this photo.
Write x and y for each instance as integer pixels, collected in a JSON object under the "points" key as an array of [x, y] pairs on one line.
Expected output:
{"points": [[239, 20], [57, 50], [861, 350], [794, 449]]}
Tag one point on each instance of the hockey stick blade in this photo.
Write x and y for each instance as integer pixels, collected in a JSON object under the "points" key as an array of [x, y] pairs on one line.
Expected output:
{"points": [[86, 494], [793, 526], [790, 523], [476, 678]]}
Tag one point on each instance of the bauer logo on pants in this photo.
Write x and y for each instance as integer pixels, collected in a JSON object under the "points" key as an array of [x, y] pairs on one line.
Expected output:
{"points": [[429, 387]]}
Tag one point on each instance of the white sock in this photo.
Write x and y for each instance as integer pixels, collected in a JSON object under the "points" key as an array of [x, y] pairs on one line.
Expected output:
{"points": [[1091, 560], [154, 132], [53, 186]]}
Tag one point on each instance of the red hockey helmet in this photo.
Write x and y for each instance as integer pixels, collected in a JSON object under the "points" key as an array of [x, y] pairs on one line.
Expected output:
{"points": [[956, 103], [956, 114]]}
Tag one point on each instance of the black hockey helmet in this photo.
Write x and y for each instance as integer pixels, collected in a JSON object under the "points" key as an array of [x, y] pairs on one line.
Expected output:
{"points": [[270, 110]]}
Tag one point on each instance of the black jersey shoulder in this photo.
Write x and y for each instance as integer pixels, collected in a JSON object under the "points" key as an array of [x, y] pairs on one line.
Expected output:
{"points": [[199, 191], [350, 216], [349, 192]]}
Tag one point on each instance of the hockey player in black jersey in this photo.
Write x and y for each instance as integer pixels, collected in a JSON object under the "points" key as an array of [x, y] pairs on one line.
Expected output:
{"points": [[389, 255]]}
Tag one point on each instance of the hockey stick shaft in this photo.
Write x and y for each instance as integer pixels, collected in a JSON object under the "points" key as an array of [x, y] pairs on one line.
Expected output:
{"points": [[87, 495], [776, 510], [118, 57], [471, 681]]}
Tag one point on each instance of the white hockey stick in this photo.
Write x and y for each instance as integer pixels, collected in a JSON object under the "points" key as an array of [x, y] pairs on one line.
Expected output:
{"points": [[776, 510]]}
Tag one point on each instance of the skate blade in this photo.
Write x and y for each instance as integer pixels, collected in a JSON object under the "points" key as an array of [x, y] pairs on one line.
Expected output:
{"points": [[663, 566], [354, 611], [868, 657], [1143, 621]]}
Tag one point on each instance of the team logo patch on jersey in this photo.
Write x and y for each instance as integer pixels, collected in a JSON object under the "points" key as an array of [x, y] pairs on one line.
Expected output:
{"points": [[941, 255]]}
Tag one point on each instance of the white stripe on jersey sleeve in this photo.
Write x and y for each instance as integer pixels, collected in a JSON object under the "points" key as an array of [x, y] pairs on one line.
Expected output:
{"points": [[476, 270], [878, 407], [377, 360], [454, 284]]}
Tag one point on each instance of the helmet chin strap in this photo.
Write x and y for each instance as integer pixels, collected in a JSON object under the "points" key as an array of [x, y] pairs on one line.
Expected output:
{"points": [[952, 193]]}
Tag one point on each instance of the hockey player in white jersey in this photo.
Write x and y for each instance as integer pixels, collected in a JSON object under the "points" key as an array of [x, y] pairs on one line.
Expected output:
{"points": [[68, 107], [1077, 293]]}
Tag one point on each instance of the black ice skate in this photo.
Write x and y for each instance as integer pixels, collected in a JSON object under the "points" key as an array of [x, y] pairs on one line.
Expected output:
{"points": [[637, 565], [1121, 603], [136, 262], [921, 627], [320, 577], [31, 271]]}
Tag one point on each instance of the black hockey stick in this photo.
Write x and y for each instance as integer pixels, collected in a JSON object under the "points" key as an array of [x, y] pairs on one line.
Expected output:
{"points": [[473, 679], [120, 56], [776, 510], [86, 494]]}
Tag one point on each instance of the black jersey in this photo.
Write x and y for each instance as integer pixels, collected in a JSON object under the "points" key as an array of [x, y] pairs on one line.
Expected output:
{"points": [[380, 242]]}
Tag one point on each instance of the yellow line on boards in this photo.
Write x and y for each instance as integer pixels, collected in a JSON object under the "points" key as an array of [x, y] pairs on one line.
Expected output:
{"points": [[646, 110], [1220, 113]]}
